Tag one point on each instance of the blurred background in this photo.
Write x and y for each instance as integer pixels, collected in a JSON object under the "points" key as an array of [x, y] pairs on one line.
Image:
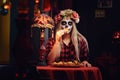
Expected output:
{"points": [[99, 23]]}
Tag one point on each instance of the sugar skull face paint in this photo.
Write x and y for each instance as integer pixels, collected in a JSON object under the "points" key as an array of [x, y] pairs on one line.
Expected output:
{"points": [[66, 24]]}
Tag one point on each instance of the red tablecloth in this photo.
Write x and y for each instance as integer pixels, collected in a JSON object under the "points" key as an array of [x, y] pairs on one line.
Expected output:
{"points": [[79, 73]]}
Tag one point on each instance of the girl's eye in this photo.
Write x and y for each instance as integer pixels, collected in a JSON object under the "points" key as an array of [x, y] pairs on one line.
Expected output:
{"points": [[63, 22], [70, 23]]}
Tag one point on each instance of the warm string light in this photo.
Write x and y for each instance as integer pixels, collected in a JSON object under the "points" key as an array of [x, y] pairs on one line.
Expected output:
{"points": [[36, 8], [36, 1], [5, 7], [7, 4], [42, 34], [52, 33], [4, 1]]}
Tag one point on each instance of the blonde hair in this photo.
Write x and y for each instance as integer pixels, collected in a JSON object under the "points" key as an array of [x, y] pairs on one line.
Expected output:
{"points": [[75, 38]]}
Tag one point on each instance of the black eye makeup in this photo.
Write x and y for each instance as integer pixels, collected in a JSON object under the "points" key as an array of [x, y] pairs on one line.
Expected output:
{"points": [[64, 23], [70, 23]]}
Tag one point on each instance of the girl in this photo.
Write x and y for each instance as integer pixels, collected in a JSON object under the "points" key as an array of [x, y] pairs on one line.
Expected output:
{"points": [[69, 44]]}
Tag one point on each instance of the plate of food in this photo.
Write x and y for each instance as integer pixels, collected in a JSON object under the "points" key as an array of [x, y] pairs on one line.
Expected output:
{"points": [[74, 63]]}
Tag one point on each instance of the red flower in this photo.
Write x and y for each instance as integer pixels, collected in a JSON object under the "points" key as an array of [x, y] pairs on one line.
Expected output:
{"points": [[74, 15], [67, 13]]}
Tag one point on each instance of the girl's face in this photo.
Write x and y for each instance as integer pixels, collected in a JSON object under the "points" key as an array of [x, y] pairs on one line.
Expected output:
{"points": [[67, 24]]}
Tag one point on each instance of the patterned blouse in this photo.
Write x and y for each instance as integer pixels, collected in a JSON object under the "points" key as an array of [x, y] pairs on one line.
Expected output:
{"points": [[68, 51]]}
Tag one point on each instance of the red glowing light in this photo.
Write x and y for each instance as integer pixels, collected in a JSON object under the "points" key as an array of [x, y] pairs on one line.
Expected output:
{"points": [[16, 74], [36, 1], [6, 6]]}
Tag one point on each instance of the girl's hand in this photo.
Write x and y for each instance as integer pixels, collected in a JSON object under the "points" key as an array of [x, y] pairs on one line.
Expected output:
{"points": [[59, 34], [86, 64]]}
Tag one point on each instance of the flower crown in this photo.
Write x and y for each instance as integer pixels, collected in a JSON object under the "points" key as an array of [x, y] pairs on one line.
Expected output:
{"points": [[67, 13]]}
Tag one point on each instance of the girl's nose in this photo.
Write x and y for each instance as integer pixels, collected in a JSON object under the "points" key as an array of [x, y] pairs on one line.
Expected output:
{"points": [[66, 26]]}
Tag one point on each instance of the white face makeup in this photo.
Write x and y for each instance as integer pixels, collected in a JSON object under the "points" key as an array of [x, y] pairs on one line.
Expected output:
{"points": [[66, 24]]}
